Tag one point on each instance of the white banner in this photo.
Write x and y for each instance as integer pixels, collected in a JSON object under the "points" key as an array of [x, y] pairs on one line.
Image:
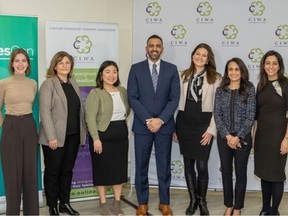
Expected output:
{"points": [[90, 44], [245, 29]]}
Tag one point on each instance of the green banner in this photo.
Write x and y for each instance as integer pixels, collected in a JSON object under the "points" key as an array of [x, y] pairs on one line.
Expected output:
{"points": [[19, 32]]}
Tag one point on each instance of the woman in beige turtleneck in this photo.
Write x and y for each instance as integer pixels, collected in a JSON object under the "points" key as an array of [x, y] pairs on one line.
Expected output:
{"points": [[19, 137]]}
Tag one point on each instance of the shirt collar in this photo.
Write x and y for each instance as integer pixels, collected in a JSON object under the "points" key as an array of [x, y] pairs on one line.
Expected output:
{"points": [[151, 63]]}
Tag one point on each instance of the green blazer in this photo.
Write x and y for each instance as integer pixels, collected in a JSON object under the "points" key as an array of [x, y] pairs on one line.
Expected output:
{"points": [[99, 109]]}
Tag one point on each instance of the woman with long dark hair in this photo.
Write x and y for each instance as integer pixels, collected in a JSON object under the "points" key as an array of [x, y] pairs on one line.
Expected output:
{"points": [[271, 139], [234, 114]]}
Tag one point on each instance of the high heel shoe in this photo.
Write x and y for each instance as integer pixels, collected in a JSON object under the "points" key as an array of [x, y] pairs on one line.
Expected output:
{"points": [[66, 208], [53, 211]]}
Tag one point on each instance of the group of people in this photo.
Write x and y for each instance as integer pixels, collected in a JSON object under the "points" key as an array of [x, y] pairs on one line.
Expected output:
{"points": [[206, 105], [241, 117]]}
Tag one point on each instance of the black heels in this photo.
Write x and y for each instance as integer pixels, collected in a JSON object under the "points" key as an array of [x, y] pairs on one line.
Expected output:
{"points": [[53, 211], [66, 208]]}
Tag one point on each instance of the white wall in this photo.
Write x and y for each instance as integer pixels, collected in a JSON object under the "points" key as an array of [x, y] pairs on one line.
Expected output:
{"points": [[107, 11]]}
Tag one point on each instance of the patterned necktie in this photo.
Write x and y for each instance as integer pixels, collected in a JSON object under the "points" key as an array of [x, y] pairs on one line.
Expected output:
{"points": [[154, 76]]}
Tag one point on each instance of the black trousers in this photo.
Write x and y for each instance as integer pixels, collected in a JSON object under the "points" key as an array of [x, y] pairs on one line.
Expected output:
{"points": [[227, 155], [19, 145], [58, 171]]}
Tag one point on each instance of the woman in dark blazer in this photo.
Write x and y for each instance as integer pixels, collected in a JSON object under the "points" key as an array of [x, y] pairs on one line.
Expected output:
{"points": [[62, 130], [234, 114]]}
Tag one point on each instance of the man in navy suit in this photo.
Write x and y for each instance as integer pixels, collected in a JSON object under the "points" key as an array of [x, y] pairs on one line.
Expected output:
{"points": [[154, 108]]}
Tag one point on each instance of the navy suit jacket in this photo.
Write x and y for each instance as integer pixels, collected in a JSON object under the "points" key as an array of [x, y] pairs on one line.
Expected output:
{"points": [[146, 103]]}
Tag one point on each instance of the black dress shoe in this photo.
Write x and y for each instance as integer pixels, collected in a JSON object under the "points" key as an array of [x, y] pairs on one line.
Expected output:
{"points": [[53, 211], [66, 208], [264, 213]]}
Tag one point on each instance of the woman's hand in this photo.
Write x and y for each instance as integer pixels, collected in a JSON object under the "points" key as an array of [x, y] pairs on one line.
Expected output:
{"points": [[233, 141], [53, 144], [174, 137], [97, 146], [284, 146], [206, 138]]}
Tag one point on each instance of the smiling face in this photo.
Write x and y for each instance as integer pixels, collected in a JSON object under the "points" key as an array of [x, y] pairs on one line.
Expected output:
{"points": [[110, 75], [63, 67], [271, 67], [234, 72], [200, 58], [20, 64], [154, 49]]}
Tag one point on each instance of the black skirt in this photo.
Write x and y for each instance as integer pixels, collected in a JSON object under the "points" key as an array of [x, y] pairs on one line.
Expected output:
{"points": [[191, 124], [110, 167]]}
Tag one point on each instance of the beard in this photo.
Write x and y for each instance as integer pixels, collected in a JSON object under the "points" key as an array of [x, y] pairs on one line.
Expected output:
{"points": [[154, 55]]}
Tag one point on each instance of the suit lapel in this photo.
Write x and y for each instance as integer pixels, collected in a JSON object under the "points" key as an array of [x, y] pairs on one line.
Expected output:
{"points": [[60, 91], [161, 75], [147, 74]]}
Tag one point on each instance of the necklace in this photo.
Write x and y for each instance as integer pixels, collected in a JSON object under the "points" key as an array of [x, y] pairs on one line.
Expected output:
{"points": [[111, 91], [63, 80]]}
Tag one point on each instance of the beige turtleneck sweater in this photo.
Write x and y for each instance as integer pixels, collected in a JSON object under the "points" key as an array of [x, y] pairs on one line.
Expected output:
{"points": [[17, 93]]}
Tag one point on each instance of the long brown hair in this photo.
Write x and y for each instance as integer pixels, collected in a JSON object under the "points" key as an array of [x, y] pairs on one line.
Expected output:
{"points": [[211, 72], [55, 60]]}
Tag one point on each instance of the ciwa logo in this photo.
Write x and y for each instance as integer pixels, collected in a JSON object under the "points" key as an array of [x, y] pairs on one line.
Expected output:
{"points": [[153, 9], [255, 55], [257, 9], [230, 32], [178, 32], [282, 34], [177, 167], [204, 9], [82, 44]]}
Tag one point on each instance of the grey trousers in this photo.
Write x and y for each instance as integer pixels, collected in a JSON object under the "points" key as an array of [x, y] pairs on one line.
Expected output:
{"points": [[19, 162]]}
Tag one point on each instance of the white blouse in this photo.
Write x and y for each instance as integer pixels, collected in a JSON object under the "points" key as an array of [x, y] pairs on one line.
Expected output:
{"points": [[118, 107]]}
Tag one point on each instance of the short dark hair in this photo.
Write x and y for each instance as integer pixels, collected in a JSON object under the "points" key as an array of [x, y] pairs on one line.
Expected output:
{"points": [[156, 37], [105, 64]]}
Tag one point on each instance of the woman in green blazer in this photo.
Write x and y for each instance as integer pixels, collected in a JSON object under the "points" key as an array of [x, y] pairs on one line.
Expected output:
{"points": [[106, 113]]}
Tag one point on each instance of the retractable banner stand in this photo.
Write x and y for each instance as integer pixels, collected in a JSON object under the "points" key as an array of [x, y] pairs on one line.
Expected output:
{"points": [[90, 44], [244, 29], [19, 32]]}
